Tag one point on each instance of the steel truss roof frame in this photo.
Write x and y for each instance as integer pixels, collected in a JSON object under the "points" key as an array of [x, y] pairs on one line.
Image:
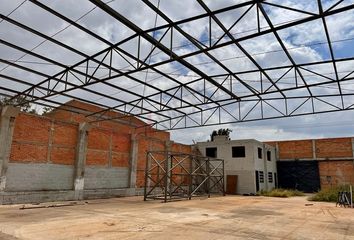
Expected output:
{"points": [[204, 98]]}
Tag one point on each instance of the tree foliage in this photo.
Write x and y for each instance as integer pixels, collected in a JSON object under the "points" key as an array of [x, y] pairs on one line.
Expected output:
{"points": [[220, 132], [47, 110], [18, 101]]}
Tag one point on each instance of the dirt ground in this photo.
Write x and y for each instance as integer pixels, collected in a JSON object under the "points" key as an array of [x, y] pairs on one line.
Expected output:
{"points": [[230, 217]]}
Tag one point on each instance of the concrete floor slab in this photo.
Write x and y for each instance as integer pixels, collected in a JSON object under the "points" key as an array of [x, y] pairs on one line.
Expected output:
{"points": [[230, 217]]}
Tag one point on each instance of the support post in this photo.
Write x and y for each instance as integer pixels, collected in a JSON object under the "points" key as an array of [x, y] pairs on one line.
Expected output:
{"points": [[190, 180], [352, 148], [80, 161], [277, 154], [314, 156], [351, 196], [169, 160], [147, 172], [133, 160], [208, 176], [265, 163], [223, 179], [8, 116], [166, 182]]}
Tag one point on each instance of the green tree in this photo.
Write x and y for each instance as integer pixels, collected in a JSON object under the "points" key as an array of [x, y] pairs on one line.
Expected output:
{"points": [[220, 132], [47, 110], [213, 134], [18, 101]]}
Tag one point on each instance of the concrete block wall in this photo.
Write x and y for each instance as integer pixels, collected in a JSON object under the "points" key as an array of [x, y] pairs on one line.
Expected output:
{"points": [[39, 177], [106, 178]]}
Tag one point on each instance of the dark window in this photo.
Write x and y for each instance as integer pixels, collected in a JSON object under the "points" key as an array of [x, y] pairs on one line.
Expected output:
{"points": [[211, 152], [260, 153], [269, 156], [238, 152], [261, 176], [270, 177]]}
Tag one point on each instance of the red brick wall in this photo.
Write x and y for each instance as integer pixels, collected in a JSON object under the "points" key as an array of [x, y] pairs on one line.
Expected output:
{"points": [[146, 144], [121, 145], [53, 138], [295, 149], [39, 139], [334, 148], [30, 139], [333, 173], [325, 148], [79, 110], [181, 148], [338, 168], [107, 147], [64, 138], [155, 142], [98, 147]]}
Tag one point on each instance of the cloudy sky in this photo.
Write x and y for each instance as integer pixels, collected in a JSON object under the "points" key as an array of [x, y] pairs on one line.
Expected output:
{"points": [[305, 43]]}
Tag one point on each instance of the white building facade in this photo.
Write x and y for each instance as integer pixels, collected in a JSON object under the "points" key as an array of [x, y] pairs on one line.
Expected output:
{"points": [[250, 165]]}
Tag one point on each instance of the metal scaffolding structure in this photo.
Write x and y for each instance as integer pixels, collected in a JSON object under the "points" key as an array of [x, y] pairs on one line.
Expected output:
{"points": [[172, 176], [203, 89]]}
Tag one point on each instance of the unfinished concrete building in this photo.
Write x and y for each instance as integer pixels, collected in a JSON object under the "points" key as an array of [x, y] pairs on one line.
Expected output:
{"points": [[250, 165]]}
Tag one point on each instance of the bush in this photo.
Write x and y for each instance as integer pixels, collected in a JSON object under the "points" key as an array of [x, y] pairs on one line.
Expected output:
{"points": [[279, 192], [329, 194]]}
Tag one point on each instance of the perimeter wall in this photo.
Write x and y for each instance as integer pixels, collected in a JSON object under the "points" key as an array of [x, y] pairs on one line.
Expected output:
{"points": [[335, 157], [61, 157]]}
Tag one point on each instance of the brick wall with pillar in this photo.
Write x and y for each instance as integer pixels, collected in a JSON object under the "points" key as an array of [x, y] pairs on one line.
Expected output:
{"points": [[8, 116], [60, 157], [80, 160], [334, 156]]}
